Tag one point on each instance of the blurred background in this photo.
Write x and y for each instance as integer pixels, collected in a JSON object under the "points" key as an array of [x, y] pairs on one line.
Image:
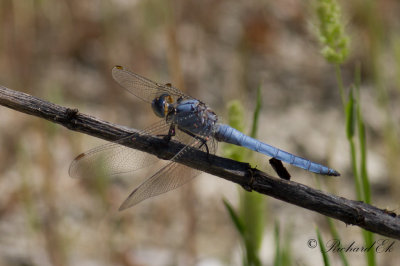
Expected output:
{"points": [[217, 51]]}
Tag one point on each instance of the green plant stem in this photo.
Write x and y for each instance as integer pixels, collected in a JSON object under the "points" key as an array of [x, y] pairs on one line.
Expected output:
{"points": [[353, 153], [321, 242], [357, 180], [340, 84], [363, 149], [362, 185], [335, 235]]}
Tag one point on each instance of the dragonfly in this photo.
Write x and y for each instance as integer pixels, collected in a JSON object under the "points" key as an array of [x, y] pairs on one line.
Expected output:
{"points": [[182, 118]]}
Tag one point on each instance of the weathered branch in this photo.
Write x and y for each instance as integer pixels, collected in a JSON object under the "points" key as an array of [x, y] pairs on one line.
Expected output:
{"points": [[348, 211]]}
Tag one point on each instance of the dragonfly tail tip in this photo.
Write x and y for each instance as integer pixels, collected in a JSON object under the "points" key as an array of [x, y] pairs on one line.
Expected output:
{"points": [[334, 173]]}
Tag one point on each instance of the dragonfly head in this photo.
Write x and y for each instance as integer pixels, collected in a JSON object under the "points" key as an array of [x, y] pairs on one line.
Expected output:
{"points": [[162, 105]]}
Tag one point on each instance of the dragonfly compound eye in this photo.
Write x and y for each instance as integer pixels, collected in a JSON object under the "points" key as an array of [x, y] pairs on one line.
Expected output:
{"points": [[160, 105]]}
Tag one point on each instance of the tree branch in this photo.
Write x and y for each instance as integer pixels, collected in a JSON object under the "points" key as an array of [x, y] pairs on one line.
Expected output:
{"points": [[349, 211]]}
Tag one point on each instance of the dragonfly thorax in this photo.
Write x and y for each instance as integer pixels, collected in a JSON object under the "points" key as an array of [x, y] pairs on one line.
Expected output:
{"points": [[193, 116], [162, 105]]}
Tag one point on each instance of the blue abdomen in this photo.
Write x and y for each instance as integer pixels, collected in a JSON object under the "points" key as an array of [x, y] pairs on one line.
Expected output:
{"points": [[228, 134]]}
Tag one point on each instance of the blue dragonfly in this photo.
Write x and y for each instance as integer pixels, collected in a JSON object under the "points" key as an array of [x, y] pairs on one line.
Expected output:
{"points": [[183, 118]]}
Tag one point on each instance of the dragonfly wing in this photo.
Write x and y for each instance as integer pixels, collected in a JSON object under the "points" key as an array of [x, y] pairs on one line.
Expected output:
{"points": [[171, 176], [113, 158], [142, 87], [167, 178]]}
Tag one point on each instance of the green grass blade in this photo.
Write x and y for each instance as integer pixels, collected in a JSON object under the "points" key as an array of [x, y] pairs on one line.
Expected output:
{"points": [[235, 120], [286, 249], [350, 132], [322, 248], [335, 235], [363, 157], [256, 114], [282, 248], [350, 116], [363, 143], [366, 188], [239, 225], [251, 257], [369, 240], [278, 255], [252, 205], [235, 219], [252, 208]]}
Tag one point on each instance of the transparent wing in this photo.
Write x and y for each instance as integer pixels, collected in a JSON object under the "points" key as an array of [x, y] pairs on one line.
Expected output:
{"points": [[142, 87], [171, 176], [113, 158]]}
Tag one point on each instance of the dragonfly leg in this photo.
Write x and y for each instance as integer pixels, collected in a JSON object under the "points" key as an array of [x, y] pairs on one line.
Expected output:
{"points": [[203, 141], [171, 133]]}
